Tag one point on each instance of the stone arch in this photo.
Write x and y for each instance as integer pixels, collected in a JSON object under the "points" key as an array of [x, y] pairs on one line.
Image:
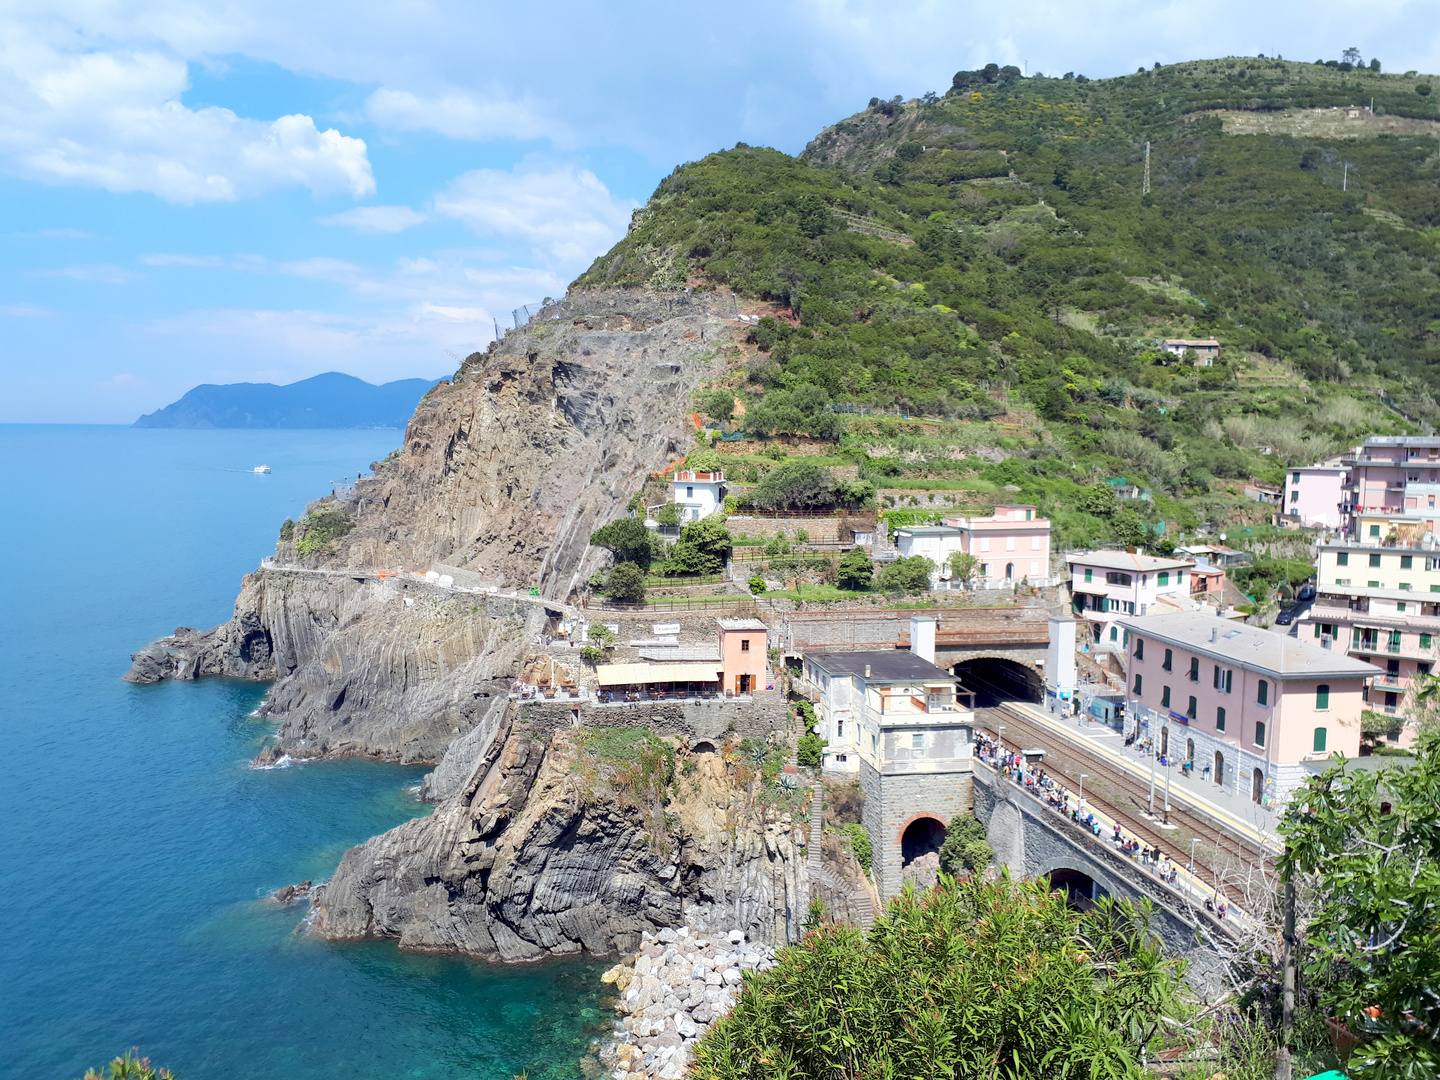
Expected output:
{"points": [[1078, 886], [1075, 869], [704, 746], [994, 679]]}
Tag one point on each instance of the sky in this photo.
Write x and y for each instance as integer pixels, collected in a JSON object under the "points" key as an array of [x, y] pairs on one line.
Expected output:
{"points": [[249, 190]]}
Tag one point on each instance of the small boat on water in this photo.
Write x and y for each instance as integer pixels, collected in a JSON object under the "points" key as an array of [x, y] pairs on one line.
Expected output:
{"points": [[262, 468]]}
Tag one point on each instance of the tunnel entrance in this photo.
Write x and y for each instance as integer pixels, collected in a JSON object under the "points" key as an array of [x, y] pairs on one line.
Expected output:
{"points": [[995, 680], [920, 851], [1078, 887]]}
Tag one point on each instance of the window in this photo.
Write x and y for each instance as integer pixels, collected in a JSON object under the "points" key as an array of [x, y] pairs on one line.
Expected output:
{"points": [[1373, 584], [689, 493], [1374, 530], [839, 729], [1296, 478], [917, 741], [1319, 742], [1342, 559], [1009, 543], [1294, 496], [1163, 578], [1035, 566], [1194, 669], [1224, 679], [1164, 697], [1260, 733], [1374, 560], [1169, 659], [1089, 574], [1139, 648], [1404, 587], [1425, 640], [1220, 718], [745, 644], [1137, 685], [1394, 644], [1116, 577], [1114, 634], [1262, 693], [1399, 605], [1406, 561], [985, 546], [1190, 709], [1322, 701], [1035, 543]]}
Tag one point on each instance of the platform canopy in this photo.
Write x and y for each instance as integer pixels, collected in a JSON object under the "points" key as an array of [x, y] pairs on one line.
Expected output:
{"points": [[644, 674]]}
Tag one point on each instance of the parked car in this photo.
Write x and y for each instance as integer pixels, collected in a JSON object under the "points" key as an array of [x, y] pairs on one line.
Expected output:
{"points": [[1306, 593], [1286, 617]]}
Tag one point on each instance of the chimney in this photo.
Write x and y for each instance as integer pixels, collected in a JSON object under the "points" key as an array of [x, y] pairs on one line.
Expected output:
{"points": [[922, 637], [1214, 635], [867, 671]]}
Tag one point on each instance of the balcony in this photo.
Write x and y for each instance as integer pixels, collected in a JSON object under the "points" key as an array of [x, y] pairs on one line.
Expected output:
{"points": [[1391, 683]]}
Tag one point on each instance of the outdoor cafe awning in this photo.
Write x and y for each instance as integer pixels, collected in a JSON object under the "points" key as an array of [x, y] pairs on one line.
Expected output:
{"points": [[641, 674]]}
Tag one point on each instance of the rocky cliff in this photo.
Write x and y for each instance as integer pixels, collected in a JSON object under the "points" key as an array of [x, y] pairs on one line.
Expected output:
{"points": [[505, 471], [562, 839]]}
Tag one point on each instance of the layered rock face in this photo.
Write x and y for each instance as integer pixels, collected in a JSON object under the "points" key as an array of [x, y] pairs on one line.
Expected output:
{"points": [[505, 470], [531, 857]]}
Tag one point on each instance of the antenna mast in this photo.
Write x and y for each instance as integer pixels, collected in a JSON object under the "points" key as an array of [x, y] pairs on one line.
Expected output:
{"points": [[1145, 187]]}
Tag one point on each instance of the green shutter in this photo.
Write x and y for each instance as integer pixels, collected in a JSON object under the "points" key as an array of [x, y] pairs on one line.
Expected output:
{"points": [[1219, 718], [1322, 700], [1260, 733], [1425, 640], [1319, 740]]}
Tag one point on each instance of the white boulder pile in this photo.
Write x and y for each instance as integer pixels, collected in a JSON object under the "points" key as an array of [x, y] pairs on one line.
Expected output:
{"points": [[677, 985]]}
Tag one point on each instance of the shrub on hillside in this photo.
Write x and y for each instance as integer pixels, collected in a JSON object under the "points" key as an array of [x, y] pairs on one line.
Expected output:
{"points": [[626, 581], [910, 575], [796, 485]]}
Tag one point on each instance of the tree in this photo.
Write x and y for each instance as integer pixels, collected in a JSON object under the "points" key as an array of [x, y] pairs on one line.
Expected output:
{"points": [[669, 514], [626, 581], [910, 575], [796, 485], [802, 411], [703, 547], [964, 567], [627, 538], [856, 569], [1424, 702], [757, 585], [705, 460], [718, 405], [965, 847], [1351, 56], [1371, 841], [1100, 500], [856, 492], [996, 979], [1128, 528]]}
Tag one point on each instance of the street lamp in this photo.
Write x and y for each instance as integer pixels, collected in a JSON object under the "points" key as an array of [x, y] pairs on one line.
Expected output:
{"points": [[1082, 790], [1167, 790]]}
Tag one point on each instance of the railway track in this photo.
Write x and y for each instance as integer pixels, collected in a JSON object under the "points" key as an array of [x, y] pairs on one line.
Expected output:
{"points": [[1065, 762]]}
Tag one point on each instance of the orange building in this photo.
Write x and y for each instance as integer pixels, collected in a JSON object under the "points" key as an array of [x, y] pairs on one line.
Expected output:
{"points": [[744, 657]]}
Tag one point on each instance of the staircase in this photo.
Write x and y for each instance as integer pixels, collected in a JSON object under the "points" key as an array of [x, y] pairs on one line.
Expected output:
{"points": [[817, 830], [818, 873]]}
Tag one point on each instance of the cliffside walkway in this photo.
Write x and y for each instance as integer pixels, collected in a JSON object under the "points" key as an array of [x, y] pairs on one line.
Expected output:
{"points": [[819, 874], [363, 574]]}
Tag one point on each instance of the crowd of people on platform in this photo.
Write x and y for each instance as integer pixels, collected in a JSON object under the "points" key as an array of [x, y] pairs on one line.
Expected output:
{"points": [[1031, 776]]}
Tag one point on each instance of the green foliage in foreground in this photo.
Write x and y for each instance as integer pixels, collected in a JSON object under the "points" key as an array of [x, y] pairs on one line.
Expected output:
{"points": [[129, 1067], [1372, 841], [976, 979]]}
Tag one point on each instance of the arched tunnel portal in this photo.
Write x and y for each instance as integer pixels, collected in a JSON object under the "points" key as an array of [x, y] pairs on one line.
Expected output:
{"points": [[995, 679]]}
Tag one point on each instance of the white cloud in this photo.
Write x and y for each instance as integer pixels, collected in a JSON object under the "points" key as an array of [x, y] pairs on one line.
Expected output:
{"points": [[376, 219], [25, 311], [113, 119], [109, 275], [565, 214], [458, 115], [164, 259]]}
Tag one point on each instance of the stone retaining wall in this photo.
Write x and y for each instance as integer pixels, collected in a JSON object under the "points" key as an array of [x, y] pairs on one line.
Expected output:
{"points": [[693, 722]]}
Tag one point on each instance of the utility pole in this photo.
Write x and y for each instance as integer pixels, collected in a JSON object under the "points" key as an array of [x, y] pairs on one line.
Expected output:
{"points": [[1145, 186], [1287, 1010], [1167, 790], [1151, 751], [1082, 791]]}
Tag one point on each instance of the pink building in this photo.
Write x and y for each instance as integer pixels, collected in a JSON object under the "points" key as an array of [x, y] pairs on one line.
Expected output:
{"points": [[1246, 707], [744, 659], [1315, 496], [1107, 585], [1010, 545]]}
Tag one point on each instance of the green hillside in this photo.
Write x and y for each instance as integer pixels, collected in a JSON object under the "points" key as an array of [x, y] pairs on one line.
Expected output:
{"points": [[960, 257]]}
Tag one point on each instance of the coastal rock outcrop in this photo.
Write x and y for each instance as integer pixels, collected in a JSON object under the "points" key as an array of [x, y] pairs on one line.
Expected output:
{"points": [[550, 847], [504, 473]]}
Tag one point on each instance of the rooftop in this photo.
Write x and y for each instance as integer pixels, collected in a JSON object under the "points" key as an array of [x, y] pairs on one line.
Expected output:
{"points": [[1247, 646], [1403, 440], [675, 654], [742, 624], [889, 666], [928, 530], [1209, 342], [1123, 560], [688, 477]]}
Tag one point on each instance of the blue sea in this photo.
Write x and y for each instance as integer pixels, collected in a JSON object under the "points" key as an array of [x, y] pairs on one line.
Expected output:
{"points": [[136, 846]]}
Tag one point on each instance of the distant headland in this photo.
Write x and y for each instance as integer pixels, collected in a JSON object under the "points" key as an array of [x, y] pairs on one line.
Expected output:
{"points": [[332, 400]]}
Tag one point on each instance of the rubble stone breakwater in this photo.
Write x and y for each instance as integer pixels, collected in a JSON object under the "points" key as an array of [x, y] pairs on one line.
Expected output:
{"points": [[669, 994]]}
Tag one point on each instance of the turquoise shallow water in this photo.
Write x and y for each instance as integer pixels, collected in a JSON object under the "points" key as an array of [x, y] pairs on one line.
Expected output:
{"points": [[135, 844]]}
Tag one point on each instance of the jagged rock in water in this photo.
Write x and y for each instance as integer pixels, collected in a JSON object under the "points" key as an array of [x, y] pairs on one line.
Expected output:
{"points": [[505, 471], [534, 857]]}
